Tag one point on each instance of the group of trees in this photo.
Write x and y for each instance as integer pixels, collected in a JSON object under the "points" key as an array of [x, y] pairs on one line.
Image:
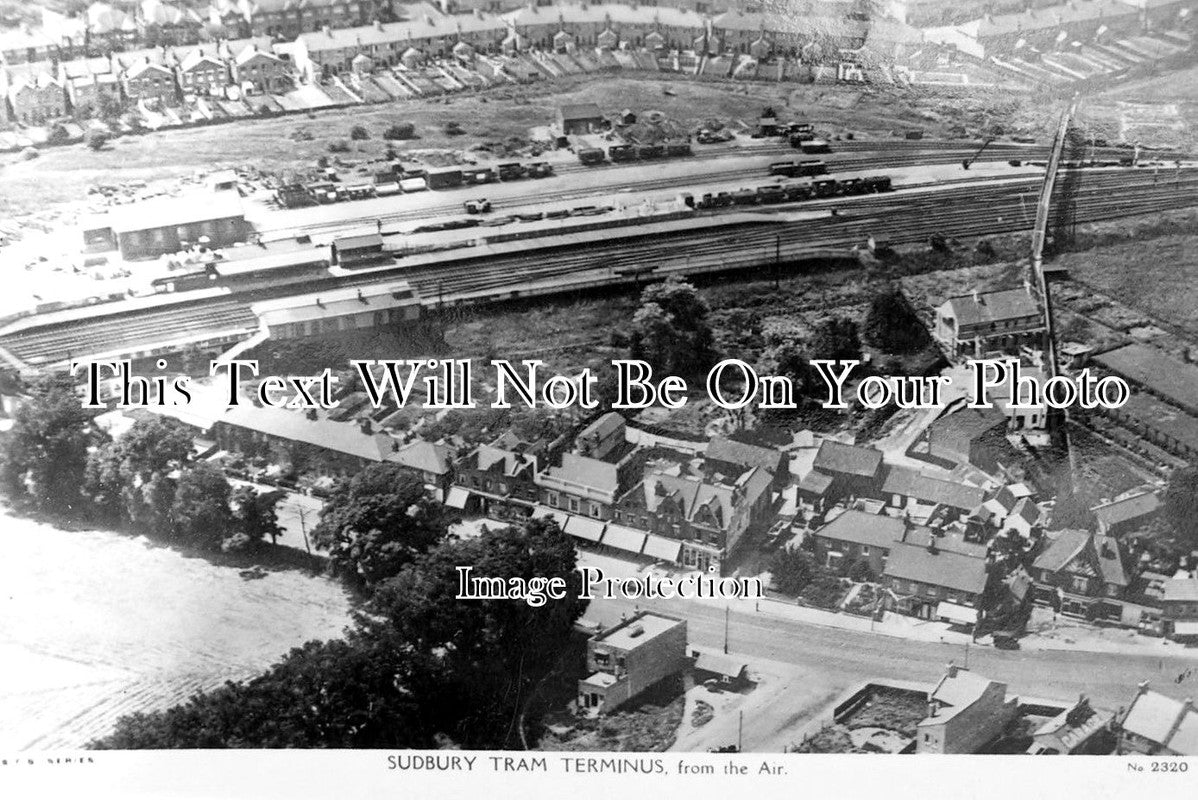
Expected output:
{"points": [[671, 331], [60, 463], [419, 668]]}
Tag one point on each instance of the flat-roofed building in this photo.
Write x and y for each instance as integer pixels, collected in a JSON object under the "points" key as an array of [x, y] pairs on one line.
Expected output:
{"points": [[625, 660], [339, 311]]}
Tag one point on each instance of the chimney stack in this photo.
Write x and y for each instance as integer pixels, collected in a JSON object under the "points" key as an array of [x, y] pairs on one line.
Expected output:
{"points": [[951, 670]]}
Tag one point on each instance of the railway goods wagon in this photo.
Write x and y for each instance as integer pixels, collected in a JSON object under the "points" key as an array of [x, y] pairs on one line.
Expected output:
{"points": [[809, 169], [797, 193], [591, 156], [476, 176], [878, 183], [771, 194], [650, 151], [621, 152], [744, 197], [359, 191], [786, 169], [413, 185], [679, 149], [512, 171], [825, 188], [815, 146], [444, 178], [851, 187], [540, 169]]}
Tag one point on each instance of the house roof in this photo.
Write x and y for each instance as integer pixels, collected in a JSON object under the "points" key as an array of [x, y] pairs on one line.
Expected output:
{"points": [[912, 483], [198, 57], [1159, 718], [960, 428], [636, 630], [957, 690], [815, 482], [1087, 721], [1127, 509], [294, 425], [987, 307], [848, 459], [721, 448], [860, 527], [951, 540], [423, 456], [941, 568], [1181, 590], [603, 427], [1102, 551], [1174, 380]]}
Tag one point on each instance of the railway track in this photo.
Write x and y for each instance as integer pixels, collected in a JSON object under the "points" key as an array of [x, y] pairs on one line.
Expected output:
{"points": [[897, 218], [850, 157]]}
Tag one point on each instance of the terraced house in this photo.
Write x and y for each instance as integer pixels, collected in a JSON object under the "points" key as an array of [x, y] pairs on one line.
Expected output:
{"points": [[202, 72], [258, 67], [34, 95], [708, 518]]}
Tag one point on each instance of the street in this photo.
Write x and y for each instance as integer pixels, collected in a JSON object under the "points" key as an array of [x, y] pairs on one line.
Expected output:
{"points": [[842, 658]]}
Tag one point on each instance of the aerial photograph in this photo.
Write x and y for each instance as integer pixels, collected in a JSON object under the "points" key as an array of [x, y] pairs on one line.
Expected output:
{"points": [[704, 376]]}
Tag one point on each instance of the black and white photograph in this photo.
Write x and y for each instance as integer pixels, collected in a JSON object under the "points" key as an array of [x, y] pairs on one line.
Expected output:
{"points": [[598, 388]]}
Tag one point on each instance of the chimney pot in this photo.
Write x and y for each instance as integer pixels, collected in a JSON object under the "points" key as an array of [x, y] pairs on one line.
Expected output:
{"points": [[952, 670]]}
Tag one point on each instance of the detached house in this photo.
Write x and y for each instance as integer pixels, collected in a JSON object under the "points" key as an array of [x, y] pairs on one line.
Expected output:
{"points": [[35, 96], [965, 713], [1083, 574], [975, 324]]}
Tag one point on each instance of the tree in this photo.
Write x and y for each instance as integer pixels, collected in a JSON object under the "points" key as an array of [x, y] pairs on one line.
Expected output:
{"points": [[792, 570], [891, 324], [325, 694], [377, 521], [490, 652], [418, 666], [256, 514], [200, 514], [860, 571], [1180, 507], [836, 338], [44, 457], [95, 139], [359, 133], [125, 479], [670, 329], [400, 131]]}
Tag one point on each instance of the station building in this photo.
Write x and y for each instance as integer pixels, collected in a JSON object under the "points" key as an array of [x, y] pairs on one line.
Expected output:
{"points": [[338, 310]]}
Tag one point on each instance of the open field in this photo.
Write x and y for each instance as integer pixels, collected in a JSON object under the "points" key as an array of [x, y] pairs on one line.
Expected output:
{"points": [[95, 625]]}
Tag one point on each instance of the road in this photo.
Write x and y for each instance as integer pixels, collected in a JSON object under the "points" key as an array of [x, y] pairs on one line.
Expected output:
{"points": [[844, 657]]}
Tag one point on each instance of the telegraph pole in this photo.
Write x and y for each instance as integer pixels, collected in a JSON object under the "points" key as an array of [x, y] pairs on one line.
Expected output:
{"points": [[726, 611]]}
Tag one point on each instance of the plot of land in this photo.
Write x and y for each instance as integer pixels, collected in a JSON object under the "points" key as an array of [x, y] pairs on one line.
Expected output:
{"points": [[94, 625]]}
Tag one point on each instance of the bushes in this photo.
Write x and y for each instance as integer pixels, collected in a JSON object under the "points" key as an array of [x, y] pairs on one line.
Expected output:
{"points": [[400, 131], [358, 133], [825, 591], [860, 572], [453, 129], [792, 570], [338, 146]]}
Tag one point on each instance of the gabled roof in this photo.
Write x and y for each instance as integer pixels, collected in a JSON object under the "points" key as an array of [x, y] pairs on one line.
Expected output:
{"points": [[423, 456], [294, 425], [603, 427], [198, 57], [988, 307], [720, 448], [1127, 509], [1163, 720], [957, 690], [860, 527], [848, 459], [911, 483], [589, 472], [1101, 553], [940, 568]]}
